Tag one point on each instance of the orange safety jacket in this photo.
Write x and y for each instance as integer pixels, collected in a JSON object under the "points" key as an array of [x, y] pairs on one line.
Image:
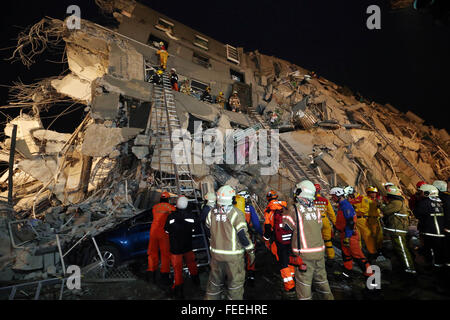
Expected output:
{"points": [[160, 213]]}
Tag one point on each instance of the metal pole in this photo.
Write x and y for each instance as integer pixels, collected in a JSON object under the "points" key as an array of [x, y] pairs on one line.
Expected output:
{"points": [[61, 255], [11, 164]]}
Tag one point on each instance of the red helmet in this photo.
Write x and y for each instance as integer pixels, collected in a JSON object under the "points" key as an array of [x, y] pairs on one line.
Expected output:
{"points": [[318, 188], [165, 195], [272, 194], [420, 183]]}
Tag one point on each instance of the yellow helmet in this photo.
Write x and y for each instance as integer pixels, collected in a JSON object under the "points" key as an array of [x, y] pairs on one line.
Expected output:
{"points": [[371, 189], [159, 72]]}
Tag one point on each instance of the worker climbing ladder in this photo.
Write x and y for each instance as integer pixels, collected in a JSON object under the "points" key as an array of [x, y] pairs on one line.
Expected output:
{"points": [[174, 176]]}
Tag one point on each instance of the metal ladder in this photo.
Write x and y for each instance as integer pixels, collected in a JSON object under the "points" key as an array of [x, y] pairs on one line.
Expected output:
{"points": [[290, 158], [369, 121], [164, 123]]}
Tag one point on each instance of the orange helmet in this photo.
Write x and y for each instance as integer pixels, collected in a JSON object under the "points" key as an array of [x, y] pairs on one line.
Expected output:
{"points": [[271, 195], [165, 195]]}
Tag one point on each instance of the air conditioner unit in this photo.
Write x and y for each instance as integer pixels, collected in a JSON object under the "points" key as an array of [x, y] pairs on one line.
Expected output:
{"points": [[232, 54]]}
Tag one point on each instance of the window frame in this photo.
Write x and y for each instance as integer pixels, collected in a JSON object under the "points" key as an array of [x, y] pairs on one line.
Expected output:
{"points": [[200, 45], [164, 29]]}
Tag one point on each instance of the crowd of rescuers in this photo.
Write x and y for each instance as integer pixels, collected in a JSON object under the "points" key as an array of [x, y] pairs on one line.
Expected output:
{"points": [[298, 233]]}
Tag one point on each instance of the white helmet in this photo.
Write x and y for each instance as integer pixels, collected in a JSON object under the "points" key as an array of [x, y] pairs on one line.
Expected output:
{"points": [[440, 185], [337, 191], [349, 190], [305, 189], [182, 202], [244, 193], [225, 196], [429, 190], [388, 184], [210, 197], [173, 69]]}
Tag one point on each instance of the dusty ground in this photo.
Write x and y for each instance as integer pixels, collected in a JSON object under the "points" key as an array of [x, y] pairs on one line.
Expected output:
{"points": [[268, 284]]}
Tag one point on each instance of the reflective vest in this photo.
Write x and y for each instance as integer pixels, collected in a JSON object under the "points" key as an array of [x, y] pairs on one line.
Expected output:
{"points": [[310, 228], [224, 228]]}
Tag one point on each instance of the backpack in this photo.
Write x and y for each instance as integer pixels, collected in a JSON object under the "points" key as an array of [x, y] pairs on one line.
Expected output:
{"points": [[282, 235]]}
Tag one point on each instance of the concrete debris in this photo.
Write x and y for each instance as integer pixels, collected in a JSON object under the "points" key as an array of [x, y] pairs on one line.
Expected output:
{"points": [[83, 183], [100, 141]]}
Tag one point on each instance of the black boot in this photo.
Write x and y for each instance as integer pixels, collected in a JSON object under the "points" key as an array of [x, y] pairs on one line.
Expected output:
{"points": [[195, 280], [177, 292], [165, 279], [150, 276]]}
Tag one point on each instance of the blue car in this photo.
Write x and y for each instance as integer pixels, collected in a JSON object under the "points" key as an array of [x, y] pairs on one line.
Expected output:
{"points": [[129, 241]]}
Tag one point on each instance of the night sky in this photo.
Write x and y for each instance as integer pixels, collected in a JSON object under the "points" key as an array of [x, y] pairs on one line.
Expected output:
{"points": [[406, 63]]}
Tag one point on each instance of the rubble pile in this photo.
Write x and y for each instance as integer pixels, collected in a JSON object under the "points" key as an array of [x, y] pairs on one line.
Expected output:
{"points": [[362, 142], [71, 186]]}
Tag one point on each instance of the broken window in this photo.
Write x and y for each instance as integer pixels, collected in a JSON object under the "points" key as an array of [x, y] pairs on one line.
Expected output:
{"points": [[154, 41], [198, 86], [201, 42], [201, 60], [165, 25], [236, 76], [232, 54]]}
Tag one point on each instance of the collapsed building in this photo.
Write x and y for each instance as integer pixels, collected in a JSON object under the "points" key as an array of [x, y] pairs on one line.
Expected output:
{"points": [[69, 187]]}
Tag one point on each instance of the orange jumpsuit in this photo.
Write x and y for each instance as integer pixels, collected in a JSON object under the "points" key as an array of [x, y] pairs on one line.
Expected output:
{"points": [[159, 239]]}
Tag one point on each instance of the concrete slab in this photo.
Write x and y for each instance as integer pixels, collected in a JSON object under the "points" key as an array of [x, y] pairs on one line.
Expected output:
{"points": [[105, 106]]}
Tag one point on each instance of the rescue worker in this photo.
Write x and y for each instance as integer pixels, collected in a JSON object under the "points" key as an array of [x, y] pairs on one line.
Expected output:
{"points": [[220, 100], [210, 202], [271, 196], [254, 227], [361, 205], [229, 240], [235, 102], [186, 88], [417, 196], [163, 55], [157, 77], [180, 226], [304, 220], [430, 212], [444, 195], [206, 95], [159, 240], [328, 220], [346, 225], [373, 219], [174, 79], [395, 217]]}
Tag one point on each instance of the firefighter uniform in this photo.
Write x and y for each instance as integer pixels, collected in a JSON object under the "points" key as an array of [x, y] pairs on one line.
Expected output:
{"points": [[361, 204], [396, 226], [163, 55], [180, 226], [235, 103], [374, 224], [229, 241], [220, 100], [431, 213], [351, 249], [159, 239], [305, 222], [327, 214]]}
